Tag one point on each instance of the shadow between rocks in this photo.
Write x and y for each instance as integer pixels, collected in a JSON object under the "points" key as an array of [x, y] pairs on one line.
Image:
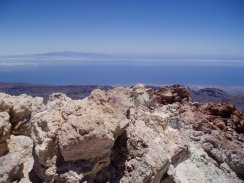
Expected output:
{"points": [[33, 177], [115, 171]]}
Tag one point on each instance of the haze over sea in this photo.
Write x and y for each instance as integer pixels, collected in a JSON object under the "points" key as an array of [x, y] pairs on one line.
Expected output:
{"points": [[71, 68]]}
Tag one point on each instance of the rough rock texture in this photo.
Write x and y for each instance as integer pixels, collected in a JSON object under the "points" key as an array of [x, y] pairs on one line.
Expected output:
{"points": [[172, 94], [16, 159], [78, 134], [20, 109], [222, 137], [201, 168], [16, 165], [5, 128], [127, 135]]}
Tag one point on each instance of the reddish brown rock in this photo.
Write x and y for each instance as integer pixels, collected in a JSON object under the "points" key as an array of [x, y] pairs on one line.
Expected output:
{"points": [[219, 123], [224, 113], [172, 94], [224, 123], [218, 109]]}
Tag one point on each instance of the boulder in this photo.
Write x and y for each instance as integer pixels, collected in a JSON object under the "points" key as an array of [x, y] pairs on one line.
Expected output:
{"points": [[81, 131]]}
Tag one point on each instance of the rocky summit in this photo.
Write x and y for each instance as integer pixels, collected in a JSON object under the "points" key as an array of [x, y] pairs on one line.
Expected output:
{"points": [[127, 135]]}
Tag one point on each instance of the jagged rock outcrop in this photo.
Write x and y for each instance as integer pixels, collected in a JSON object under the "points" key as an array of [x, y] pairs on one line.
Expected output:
{"points": [[20, 108], [172, 94], [75, 140], [221, 136], [16, 159], [127, 135], [78, 132]]}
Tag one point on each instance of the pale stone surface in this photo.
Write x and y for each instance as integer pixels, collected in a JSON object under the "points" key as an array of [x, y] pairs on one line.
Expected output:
{"points": [[92, 133], [200, 168], [16, 165], [20, 109], [44, 134], [144, 152], [127, 135], [81, 130]]}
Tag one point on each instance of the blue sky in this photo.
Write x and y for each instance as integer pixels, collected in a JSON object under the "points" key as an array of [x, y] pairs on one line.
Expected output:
{"points": [[163, 27]]}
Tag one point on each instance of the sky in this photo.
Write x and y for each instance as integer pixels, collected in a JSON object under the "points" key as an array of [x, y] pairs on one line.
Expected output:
{"points": [[152, 27]]}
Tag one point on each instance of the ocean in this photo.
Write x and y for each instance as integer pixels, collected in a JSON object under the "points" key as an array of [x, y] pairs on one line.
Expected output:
{"points": [[124, 74]]}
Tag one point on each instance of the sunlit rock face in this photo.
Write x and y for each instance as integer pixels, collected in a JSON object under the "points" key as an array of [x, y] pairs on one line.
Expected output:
{"points": [[128, 135]]}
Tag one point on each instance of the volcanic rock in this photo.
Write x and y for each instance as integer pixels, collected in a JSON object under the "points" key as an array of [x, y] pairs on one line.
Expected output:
{"points": [[18, 163], [171, 94], [127, 135], [5, 128]]}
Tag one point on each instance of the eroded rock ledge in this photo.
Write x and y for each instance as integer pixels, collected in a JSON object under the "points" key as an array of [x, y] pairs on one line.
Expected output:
{"points": [[123, 135]]}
